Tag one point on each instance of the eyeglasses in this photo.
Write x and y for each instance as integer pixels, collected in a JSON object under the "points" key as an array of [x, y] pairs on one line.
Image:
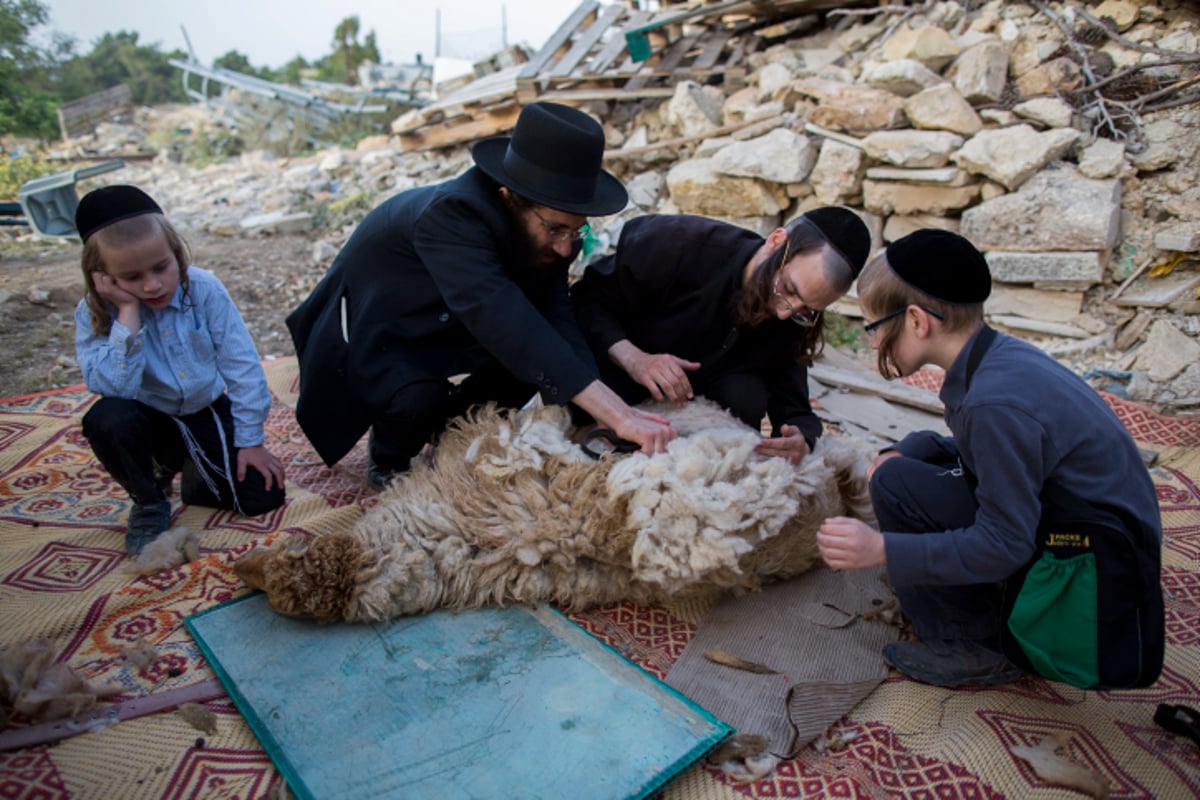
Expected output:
{"points": [[806, 318], [871, 326], [561, 233]]}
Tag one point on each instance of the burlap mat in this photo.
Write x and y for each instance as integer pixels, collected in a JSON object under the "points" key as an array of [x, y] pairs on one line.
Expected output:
{"points": [[812, 633]]}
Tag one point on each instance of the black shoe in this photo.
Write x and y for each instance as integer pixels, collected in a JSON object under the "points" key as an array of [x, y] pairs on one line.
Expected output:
{"points": [[147, 521], [950, 663], [378, 475], [165, 479]]}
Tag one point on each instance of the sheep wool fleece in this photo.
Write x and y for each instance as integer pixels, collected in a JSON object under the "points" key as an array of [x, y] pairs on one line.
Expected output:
{"points": [[512, 511]]}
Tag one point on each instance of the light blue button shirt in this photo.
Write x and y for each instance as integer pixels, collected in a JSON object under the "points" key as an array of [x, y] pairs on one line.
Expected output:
{"points": [[182, 359]]}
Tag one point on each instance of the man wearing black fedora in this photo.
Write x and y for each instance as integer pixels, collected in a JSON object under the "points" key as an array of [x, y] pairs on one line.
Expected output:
{"points": [[463, 277]]}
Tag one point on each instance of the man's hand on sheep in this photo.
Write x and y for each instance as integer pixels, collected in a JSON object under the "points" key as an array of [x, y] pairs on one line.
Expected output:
{"points": [[791, 445], [651, 432], [664, 375], [847, 543]]}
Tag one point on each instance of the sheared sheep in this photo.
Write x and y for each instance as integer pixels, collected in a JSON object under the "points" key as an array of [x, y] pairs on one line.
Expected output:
{"points": [[512, 511]]}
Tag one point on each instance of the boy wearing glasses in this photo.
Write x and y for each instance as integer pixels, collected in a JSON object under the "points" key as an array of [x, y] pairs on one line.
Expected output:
{"points": [[690, 306], [959, 516], [464, 277]]}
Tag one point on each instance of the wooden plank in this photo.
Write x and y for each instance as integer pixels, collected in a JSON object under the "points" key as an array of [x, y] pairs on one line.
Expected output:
{"points": [[886, 420], [488, 122], [602, 93], [870, 383], [1160, 292], [1016, 323], [586, 40], [615, 46], [558, 38], [712, 50], [80, 116], [667, 64]]}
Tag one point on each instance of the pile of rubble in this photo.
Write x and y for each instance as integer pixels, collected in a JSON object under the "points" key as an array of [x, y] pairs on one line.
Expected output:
{"points": [[1062, 138]]}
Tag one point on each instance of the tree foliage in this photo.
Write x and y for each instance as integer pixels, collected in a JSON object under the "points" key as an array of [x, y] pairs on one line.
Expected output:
{"points": [[348, 53], [36, 81], [119, 58], [25, 107]]}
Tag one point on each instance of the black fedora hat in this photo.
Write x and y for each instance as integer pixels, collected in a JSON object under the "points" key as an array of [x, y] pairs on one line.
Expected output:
{"points": [[553, 158]]}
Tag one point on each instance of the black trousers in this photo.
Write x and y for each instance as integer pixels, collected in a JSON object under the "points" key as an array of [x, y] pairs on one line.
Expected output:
{"points": [[419, 412], [931, 497], [130, 439]]}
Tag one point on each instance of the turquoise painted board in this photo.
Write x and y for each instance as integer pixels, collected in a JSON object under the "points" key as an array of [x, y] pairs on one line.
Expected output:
{"points": [[496, 703]]}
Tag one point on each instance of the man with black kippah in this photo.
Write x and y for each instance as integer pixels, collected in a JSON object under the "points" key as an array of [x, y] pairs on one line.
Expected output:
{"points": [[1037, 482], [690, 306], [467, 277]]}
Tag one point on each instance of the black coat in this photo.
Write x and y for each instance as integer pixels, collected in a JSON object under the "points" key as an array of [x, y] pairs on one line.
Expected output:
{"points": [[434, 282], [671, 287]]}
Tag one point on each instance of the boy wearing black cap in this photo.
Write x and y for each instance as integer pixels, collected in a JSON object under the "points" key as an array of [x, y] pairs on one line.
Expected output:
{"points": [[181, 385], [959, 516], [464, 277], [691, 306]]}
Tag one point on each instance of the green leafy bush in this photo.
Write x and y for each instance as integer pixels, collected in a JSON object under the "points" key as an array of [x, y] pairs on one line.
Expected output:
{"points": [[17, 168]]}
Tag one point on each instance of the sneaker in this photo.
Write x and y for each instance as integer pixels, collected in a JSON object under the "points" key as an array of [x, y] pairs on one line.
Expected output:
{"points": [[947, 662], [146, 522]]}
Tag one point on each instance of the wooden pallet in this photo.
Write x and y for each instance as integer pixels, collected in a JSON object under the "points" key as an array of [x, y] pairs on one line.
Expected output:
{"points": [[80, 117], [588, 57]]}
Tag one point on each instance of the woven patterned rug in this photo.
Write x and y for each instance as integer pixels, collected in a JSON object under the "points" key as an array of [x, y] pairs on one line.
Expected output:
{"points": [[63, 576]]}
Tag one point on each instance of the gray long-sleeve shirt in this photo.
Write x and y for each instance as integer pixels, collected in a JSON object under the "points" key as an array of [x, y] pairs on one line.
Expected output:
{"points": [[1025, 420]]}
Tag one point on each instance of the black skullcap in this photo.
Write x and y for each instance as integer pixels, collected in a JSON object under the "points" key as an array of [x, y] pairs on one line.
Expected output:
{"points": [[108, 204], [942, 264], [846, 233]]}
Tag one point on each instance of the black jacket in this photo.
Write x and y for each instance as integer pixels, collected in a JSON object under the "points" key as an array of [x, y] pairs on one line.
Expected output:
{"points": [[434, 282], [670, 288]]}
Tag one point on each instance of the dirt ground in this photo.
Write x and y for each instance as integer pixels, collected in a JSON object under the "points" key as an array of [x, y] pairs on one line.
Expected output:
{"points": [[41, 282]]}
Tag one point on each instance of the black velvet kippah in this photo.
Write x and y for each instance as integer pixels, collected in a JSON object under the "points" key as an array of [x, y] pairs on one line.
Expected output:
{"points": [[942, 264], [846, 233], [108, 204]]}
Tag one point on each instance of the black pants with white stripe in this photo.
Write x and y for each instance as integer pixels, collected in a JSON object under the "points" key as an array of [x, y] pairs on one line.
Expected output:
{"points": [[130, 439]]}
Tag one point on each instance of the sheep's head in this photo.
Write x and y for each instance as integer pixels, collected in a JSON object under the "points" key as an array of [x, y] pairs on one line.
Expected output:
{"points": [[311, 579]]}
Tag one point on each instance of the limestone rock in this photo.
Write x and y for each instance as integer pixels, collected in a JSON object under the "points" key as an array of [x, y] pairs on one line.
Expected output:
{"points": [[1050, 112], [1182, 237], [887, 197], [1056, 210], [1083, 269], [697, 188], [929, 45], [912, 148], [837, 176], [859, 108], [942, 108], [981, 72], [1103, 158], [900, 225], [904, 77], [1009, 156], [1166, 352], [781, 156], [693, 109], [1059, 75]]}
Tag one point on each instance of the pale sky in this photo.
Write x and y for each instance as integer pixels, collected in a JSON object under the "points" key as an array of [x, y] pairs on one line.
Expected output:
{"points": [[272, 32]]}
